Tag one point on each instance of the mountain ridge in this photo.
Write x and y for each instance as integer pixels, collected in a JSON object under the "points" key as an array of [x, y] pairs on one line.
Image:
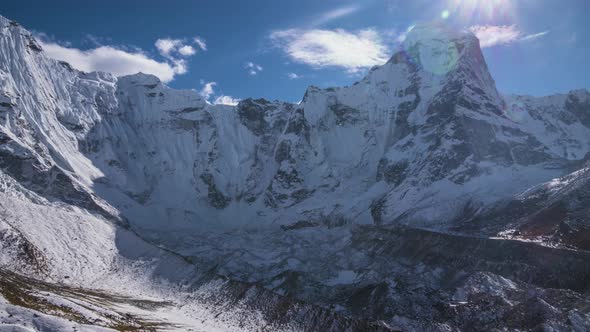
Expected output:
{"points": [[413, 128]]}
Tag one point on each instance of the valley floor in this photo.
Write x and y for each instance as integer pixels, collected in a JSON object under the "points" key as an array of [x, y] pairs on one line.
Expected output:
{"points": [[422, 280]]}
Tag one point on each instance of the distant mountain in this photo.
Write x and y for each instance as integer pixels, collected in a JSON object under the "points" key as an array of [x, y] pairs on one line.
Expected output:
{"points": [[296, 216]]}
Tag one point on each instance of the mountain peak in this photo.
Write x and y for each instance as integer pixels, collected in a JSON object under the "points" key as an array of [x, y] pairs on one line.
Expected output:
{"points": [[140, 79], [436, 31], [437, 48], [4, 21]]}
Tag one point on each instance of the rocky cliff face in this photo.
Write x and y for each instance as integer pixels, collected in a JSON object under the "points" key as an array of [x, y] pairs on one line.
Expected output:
{"points": [[268, 192], [418, 139]]}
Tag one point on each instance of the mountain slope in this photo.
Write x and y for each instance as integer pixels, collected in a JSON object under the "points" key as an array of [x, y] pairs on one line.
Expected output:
{"points": [[554, 213], [414, 141]]}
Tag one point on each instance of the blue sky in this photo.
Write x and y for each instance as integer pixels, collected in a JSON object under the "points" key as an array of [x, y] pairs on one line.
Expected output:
{"points": [[275, 49]]}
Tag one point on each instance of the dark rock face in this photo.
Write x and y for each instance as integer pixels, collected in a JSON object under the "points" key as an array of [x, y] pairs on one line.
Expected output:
{"points": [[288, 178], [298, 125], [404, 109], [579, 108], [287, 187], [392, 173], [345, 115], [299, 195], [252, 113], [217, 199], [377, 211], [300, 225], [33, 45], [283, 152]]}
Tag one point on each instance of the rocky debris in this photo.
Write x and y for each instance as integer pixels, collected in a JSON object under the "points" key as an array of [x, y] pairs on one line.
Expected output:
{"points": [[554, 213]]}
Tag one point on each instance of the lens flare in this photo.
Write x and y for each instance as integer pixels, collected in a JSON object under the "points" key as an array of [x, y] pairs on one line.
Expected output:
{"points": [[478, 10], [433, 48], [445, 14]]}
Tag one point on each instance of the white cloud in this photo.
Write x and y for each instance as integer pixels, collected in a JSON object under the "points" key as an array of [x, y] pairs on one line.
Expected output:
{"points": [[226, 100], [177, 50], [492, 35], [208, 90], [113, 60], [293, 76], [335, 14], [402, 36], [187, 50], [121, 60], [200, 42], [173, 48], [323, 48], [253, 68], [166, 46], [535, 35]]}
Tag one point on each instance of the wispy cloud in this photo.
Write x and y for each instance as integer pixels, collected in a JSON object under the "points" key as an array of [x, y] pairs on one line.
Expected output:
{"points": [[226, 100], [293, 76], [323, 48], [96, 40], [174, 47], [178, 50], [402, 36], [208, 91], [535, 36], [335, 14], [200, 42], [252, 68], [492, 35]]}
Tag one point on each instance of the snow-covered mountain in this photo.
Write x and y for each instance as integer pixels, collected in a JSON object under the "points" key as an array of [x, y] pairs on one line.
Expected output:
{"points": [[408, 142], [126, 185]]}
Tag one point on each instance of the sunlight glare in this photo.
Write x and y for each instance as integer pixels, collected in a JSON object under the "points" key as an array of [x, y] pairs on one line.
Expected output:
{"points": [[476, 10]]}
